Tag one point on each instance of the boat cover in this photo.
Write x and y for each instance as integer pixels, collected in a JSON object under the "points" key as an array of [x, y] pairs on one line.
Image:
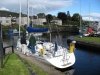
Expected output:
{"points": [[31, 29]]}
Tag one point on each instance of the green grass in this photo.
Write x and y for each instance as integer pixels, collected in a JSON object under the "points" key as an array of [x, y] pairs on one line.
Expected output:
{"points": [[37, 69], [13, 66], [89, 39]]}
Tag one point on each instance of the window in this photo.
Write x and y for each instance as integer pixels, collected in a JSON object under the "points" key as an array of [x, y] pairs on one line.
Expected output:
{"points": [[7, 21]]}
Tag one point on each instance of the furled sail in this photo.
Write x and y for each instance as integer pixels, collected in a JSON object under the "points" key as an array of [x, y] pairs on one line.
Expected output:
{"points": [[31, 29]]}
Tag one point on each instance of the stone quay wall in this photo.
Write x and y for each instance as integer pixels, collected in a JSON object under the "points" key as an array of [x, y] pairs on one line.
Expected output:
{"points": [[85, 44], [65, 29]]}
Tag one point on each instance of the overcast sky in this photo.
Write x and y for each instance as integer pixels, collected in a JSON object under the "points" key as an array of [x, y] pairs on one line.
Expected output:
{"points": [[89, 9]]}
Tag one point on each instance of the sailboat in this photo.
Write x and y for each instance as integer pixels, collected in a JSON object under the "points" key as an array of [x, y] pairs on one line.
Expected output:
{"points": [[51, 53]]}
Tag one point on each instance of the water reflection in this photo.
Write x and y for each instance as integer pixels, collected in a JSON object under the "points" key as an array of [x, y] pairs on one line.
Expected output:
{"points": [[67, 71]]}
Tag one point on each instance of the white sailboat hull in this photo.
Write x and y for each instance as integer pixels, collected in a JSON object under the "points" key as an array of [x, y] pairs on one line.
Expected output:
{"points": [[60, 59], [58, 62]]}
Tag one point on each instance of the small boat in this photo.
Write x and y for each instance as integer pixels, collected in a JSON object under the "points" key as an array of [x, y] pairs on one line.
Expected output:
{"points": [[52, 53]]}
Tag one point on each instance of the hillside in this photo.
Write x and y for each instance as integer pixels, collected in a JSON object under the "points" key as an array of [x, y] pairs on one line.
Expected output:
{"points": [[8, 13]]}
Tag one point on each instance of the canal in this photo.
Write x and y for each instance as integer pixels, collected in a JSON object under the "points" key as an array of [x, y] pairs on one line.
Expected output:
{"points": [[87, 61]]}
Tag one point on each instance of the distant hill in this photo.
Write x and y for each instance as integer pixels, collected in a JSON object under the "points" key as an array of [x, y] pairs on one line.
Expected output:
{"points": [[8, 13]]}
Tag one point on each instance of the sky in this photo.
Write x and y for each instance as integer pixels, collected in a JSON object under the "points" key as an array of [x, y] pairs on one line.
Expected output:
{"points": [[88, 9]]}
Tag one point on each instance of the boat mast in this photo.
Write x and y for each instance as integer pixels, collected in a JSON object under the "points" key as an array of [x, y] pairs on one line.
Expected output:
{"points": [[50, 31], [32, 16], [80, 14], [20, 18], [27, 13], [89, 13]]}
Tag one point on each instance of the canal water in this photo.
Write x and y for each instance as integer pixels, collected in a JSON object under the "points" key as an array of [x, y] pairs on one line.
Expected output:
{"points": [[87, 61]]}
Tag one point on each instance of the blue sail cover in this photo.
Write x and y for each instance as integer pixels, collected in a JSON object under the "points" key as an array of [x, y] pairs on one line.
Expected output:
{"points": [[31, 29]]}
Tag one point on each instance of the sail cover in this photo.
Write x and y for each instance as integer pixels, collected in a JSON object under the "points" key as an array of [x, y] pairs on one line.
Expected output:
{"points": [[31, 29]]}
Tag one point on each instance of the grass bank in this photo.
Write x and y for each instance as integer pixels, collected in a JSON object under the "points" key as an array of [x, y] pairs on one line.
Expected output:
{"points": [[14, 66], [89, 39]]}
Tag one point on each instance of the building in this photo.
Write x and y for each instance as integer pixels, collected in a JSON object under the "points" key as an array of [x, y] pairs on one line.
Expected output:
{"points": [[39, 19], [23, 20], [5, 19], [56, 21]]}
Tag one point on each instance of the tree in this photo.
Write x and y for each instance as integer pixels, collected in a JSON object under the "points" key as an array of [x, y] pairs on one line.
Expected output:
{"points": [[68, 17], [62, 16], [49, 17], [41, 15], [76, 17]]}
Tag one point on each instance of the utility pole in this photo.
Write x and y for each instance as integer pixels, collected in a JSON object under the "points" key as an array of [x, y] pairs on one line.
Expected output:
{"points": [[1, 47]]}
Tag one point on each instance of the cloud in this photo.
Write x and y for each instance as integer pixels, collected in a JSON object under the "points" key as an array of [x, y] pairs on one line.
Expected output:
{"points": [[91, 17], [38, 5], [3, 8]]}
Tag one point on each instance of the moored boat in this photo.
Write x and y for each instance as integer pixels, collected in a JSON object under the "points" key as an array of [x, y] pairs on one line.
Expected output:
{"points": [[52, 53]]}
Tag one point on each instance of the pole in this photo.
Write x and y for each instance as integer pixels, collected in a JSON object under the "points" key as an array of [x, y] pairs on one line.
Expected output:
{"points": [[27, 13], [80, 14], [20, 18], [49, 27], [32, 16], [1, 47], [89, 13]]}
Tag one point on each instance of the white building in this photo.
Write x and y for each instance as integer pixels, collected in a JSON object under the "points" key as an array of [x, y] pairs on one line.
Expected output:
{"points": [[39, 21], [5, 20], [56, 21], [98, 27], [23, 20]]}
